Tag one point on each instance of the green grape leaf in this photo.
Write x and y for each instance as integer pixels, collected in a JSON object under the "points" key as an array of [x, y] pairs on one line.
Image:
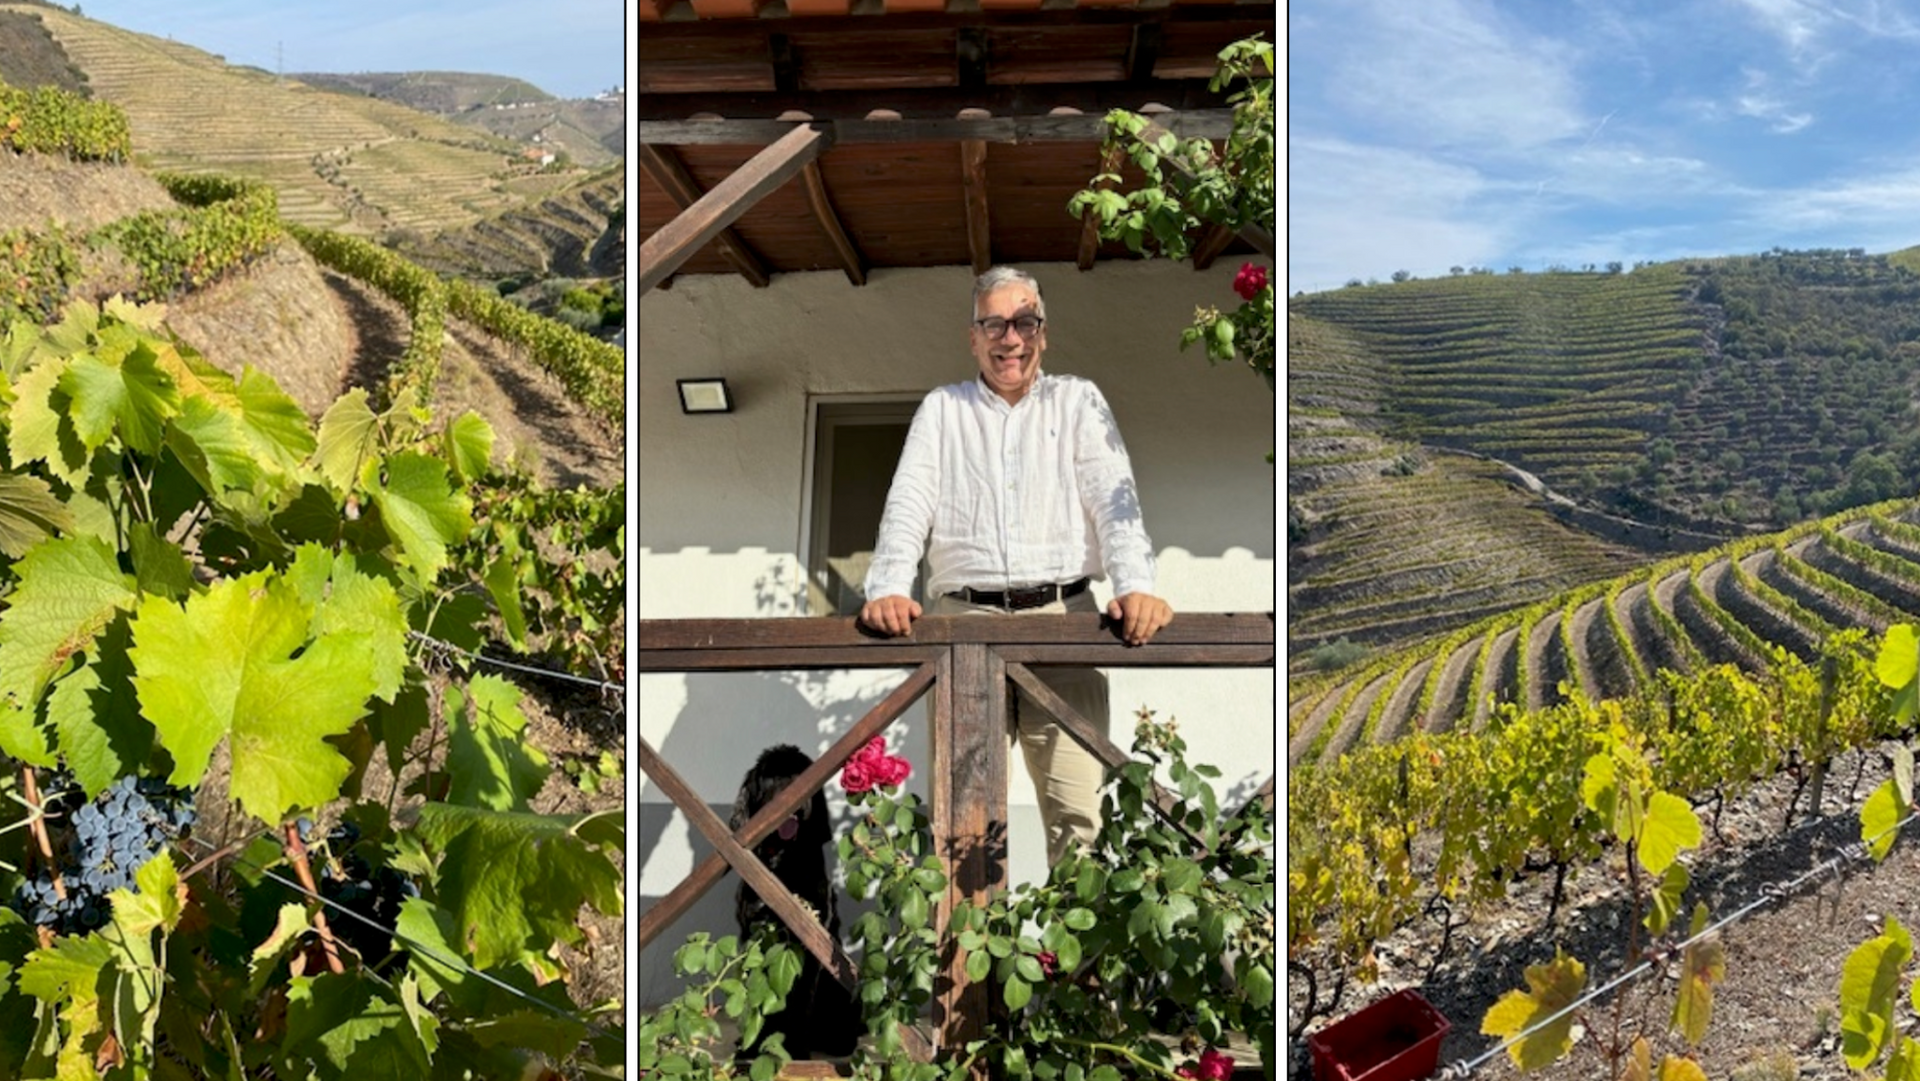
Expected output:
{"points": [[1597, 788], [1664, 903], [134, 394], [395, 724], [275, 423], [348, 1024], [1702, 964], [29, 513], [421, 512], [1904, 1065], [224, 664], [70, 967], [469, 446], [1878, 817], [1670, 827], [503, 584], [1553, 986], [1867, 984], [426, 931], [101, 733], [345, 601], [491, 763], [70, 589], [349, 439], [213, 446], [160, 566], [1899, 659], [40, 430], [157, 901], [515, 881]]}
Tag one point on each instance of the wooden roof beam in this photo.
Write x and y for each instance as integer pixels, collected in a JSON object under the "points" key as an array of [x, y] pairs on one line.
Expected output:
{"points": [[673, 178], [973, 172], [1197, 124], [934, 103], [1143, 52], [850, 258], [674, 243], [1211, 244]]}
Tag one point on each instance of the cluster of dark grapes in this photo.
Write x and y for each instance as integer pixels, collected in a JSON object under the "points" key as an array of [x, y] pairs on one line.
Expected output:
{"points": [[100, 845], [373, 892]]}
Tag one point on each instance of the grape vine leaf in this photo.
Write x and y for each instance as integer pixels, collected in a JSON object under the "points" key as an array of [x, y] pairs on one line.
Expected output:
{"points": [[1639, 1061], [1898, 665], [159, 565], [69, 590], [1702, 964], [503, 584], [512, 879], [29, 513], [210, 443], [491, 763], [157, 901], [225, 664], [1664, 903], [101, 733], [134, 394], [349, 438], [1878, 818], [345, 601], [1670, 826], [420, 511], [469, 446], [265, 959], [1904, 1065], [347, 1026], [1676, 1068], [70, 968], [39, 429], [1867, 985], [1554, 986]]}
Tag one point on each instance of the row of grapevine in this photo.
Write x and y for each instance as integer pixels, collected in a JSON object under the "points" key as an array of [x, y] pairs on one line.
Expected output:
{"points": [[592, 370], [415, 289], [1504, 800], [48, 120]]}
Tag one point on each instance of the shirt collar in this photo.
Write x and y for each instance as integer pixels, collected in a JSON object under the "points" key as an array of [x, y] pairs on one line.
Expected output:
{"points": [[990, 398]]}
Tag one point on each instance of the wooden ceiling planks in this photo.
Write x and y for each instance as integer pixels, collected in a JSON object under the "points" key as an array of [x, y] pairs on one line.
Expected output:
{"points": [[931, 193]]}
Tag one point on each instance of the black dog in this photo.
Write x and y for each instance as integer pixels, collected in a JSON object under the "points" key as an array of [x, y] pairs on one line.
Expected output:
{"points": [[820, 1015]]}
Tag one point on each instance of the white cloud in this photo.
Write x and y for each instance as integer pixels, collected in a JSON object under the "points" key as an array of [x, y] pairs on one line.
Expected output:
{"points": [[1886, 203], [1760, 102], [1368, 211], [1452, 73]]}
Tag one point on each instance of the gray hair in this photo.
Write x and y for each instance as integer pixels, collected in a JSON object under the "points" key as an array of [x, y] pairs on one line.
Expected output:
{"points": [[1006, 275]]}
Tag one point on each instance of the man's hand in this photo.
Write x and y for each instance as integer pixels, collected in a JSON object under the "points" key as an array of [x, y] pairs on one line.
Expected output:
{"points": [[891, 616], [1140, 615]]}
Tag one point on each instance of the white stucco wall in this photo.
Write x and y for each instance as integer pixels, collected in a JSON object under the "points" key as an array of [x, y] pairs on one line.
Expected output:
{"points": [[721, 514]]}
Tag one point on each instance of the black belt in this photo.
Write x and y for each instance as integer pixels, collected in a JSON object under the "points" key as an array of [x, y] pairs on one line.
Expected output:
{"points": [[1014, 600]]}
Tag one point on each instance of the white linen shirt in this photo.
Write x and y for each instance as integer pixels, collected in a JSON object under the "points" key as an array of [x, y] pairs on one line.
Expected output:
{"points": [[1004, 497]]}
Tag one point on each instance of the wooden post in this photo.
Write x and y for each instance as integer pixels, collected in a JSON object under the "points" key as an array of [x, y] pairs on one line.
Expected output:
{"points": [[978, 814], [674, 243]]}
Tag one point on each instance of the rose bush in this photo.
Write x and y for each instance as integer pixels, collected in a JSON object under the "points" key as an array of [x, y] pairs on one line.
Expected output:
{"points": [[1137, 957]]}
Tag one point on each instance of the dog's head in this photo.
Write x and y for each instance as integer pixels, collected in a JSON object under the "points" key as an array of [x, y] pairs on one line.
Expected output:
{"points": [[770, 775]]}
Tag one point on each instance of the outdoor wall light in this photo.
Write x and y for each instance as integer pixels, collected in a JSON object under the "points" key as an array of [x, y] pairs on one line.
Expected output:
{"points": [[704, 396]]}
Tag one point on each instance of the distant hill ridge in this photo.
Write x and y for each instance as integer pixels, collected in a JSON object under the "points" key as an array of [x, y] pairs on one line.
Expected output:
{"points": [[339, 161]]}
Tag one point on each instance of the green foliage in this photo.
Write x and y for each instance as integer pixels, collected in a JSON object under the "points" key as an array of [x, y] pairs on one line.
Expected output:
{"points": [[48, 120], [185, 249], [591, 369], [1143, 918], [193, 577]]}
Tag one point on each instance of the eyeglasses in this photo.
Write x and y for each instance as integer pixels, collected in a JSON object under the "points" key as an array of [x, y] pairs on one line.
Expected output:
{"points": [[995, 328]]}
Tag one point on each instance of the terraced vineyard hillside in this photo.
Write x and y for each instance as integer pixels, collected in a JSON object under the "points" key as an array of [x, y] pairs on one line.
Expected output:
{"points": [[570, 233], [344, 162], [1388, 540], [1731, 605]]}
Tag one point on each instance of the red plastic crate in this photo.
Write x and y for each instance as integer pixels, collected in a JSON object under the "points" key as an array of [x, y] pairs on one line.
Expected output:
{"points": [[1394, 1039]]}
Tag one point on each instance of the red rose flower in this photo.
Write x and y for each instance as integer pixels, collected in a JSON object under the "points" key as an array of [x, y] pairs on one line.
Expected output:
{"points": [[890, 770], [1187, 1071], [856, 776], [1251, 279], [1215, 1066], [1049, 962]]}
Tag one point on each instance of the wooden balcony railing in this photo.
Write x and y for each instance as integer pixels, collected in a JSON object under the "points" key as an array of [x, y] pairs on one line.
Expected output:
{"points": [[966, 666]]}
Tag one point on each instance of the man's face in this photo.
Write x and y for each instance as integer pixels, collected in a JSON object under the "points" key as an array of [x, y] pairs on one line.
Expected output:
{"points": [[1009, 363]]}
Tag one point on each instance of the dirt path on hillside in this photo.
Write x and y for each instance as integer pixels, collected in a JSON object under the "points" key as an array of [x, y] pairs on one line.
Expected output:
{"points": [[1398, 718], [1498, 681], [1449, 703], [530, 410], [1580, 666], [1542, 648]]}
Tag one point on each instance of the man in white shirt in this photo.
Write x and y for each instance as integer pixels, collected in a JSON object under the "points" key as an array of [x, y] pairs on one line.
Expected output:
{"points": [[1017, 487]]}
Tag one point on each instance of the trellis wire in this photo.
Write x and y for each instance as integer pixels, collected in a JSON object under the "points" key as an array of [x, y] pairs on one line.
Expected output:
{"points": [[609, 690], [1462, 1069]]}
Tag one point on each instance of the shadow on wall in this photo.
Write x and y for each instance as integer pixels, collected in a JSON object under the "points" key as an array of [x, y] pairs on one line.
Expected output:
{"points": [[727, 720]]}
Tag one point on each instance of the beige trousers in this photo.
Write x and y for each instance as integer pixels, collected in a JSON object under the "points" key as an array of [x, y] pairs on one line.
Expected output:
{"points": [[1066, 776]]}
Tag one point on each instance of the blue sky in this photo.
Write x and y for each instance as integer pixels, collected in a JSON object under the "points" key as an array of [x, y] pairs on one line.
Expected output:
{"points": [[571, 48], [1425, 134]]}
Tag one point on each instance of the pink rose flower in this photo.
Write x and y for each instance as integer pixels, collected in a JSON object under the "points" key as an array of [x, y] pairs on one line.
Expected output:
{"points": [[1251, 279], [1187, 1071], [856, 776], [891, 770], [1215, 1066]]}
